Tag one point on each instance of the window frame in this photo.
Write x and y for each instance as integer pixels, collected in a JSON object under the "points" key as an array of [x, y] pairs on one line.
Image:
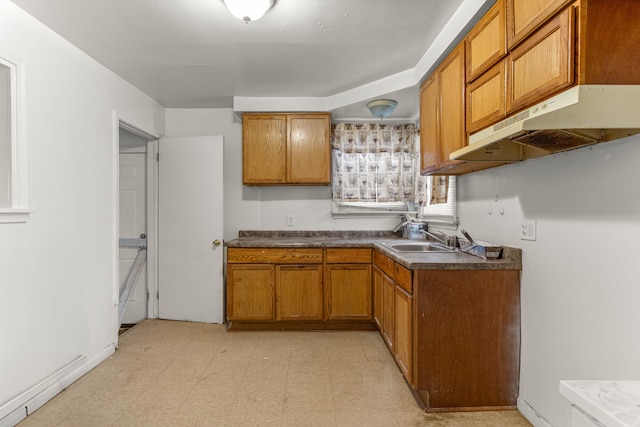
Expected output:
{"points": [[18, 209]]}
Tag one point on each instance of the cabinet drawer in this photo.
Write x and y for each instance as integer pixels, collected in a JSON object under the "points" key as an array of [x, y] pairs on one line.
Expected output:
{"points": [[274, 256], [403, 278], [348, 256], [384, 263]]}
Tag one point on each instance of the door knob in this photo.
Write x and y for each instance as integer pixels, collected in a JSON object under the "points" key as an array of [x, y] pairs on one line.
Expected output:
{"points": [[216, 242]]}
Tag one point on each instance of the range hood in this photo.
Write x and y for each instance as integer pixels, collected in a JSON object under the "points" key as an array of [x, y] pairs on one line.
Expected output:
{"points": [[580, 116]]}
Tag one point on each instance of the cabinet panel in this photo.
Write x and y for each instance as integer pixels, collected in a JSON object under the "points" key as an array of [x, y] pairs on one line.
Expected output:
{"points": [[452, 105], [403, 277], [486, 102], [299, 292], [403, 333], [523, 16], [378, 298], [274, 256], [348, 256], [264, 149], [543, 64], [384, 263], [388, 292], [429, 128], [250, 292], [348, 291], [309, 151], [486, 42]]}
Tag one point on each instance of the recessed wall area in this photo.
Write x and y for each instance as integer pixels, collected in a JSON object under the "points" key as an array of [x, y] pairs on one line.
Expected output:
{"points": [[5, 136]]}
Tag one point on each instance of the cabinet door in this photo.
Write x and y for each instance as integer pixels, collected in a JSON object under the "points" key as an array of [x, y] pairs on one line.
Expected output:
{"points": [[543, 64], [486, 102], [309, 151], [429, 128], [348, 292], [452, 110], [486, 42], [250, 292], [403, 337], [264, 148], [378, 304], [388, 292], [524, 16], [299, 292]]}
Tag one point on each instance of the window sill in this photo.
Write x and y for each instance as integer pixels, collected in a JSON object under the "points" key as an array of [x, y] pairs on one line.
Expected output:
{"points": [[8, 216]]}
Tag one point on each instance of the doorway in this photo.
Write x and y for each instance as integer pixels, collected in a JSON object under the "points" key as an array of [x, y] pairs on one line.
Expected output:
{"points": [[133, 224]]}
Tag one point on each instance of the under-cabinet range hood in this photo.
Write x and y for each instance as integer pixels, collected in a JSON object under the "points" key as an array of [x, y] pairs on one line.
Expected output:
{"points": [[580, 116]]}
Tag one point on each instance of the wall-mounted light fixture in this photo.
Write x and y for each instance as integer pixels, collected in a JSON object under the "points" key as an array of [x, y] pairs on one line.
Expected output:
{"points": [[382, 107], [248, 10]]}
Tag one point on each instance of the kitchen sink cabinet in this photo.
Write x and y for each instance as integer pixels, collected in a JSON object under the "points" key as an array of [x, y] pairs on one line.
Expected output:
{"points": [[442, 113], [393, 295], [348, 284], [286, 149], [274, 284], [467, 346]]}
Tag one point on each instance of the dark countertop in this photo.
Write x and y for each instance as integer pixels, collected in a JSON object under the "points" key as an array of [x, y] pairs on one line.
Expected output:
{"points": [[511, 257]]}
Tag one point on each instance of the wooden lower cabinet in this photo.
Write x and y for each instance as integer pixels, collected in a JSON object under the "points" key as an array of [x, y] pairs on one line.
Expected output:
{"points": [[378, 277], [250, 292], [467, 341], [299, 292], [388, 294], [348, 284], [403, 331]]}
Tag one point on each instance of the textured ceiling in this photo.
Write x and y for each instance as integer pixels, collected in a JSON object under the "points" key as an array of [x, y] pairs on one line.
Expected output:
{"points": [[195, 54]]}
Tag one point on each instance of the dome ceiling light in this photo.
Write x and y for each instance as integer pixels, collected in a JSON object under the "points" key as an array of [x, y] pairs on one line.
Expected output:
{"points": [[248, 10], [382, 107]]}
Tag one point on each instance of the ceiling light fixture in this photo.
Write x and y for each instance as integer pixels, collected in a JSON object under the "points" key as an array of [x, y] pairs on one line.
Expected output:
{"points": [[248, 10], [382, 107]]}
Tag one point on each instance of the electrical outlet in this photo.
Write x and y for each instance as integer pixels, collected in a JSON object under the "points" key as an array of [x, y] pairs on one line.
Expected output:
{"points": [[528, 229], [290, 220]]}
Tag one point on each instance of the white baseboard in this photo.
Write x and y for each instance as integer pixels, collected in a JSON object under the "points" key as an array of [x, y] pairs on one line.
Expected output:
{"points": [[17, 409], [531, 414]]}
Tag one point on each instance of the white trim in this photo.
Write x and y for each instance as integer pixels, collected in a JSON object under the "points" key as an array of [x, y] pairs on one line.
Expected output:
{"points": [[19, 203], [152, 229], [531, 414], [17, 409]]}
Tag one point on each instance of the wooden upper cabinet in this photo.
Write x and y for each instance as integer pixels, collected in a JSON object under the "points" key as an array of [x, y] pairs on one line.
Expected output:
{"points": [[442, 113], [486, 98], [486, 42], [524, 16], [429, 124], [309, 150], [543, 64], [264, 148], [452, 105], [286, 149]]}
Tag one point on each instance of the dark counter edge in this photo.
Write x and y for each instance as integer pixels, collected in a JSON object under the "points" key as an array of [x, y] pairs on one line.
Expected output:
{"points": [[511, 257]]}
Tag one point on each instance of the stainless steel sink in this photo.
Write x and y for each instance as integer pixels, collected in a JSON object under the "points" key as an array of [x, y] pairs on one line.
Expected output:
{"points": [[418, 247]]}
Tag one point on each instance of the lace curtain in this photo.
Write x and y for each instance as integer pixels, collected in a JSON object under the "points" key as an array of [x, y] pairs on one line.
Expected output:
{"points": [[377, 162]]}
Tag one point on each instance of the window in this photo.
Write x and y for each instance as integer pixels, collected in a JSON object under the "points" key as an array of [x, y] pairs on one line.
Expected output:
{"points": [[376, 172], [13, 197]]}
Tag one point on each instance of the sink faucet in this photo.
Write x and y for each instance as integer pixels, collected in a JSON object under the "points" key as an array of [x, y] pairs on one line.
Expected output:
{"points": [[442, 238]]}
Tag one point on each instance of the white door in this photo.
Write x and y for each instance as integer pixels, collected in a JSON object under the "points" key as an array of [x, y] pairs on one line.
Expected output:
{"points": [[190, 281], [133, 223]]}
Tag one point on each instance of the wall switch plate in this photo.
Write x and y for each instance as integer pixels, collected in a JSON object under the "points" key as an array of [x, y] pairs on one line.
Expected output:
{"points": [[290, 220], [528, 229]]}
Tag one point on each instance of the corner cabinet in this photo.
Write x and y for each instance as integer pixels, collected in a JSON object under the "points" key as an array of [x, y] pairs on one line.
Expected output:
{"points": [[286, 149]]}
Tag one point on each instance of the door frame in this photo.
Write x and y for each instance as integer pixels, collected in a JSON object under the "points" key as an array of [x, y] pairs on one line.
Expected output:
{"points": [[152, 217]]}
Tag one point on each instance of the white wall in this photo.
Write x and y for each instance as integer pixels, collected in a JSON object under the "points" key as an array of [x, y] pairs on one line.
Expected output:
{"points": [[261, 208], [58, 271], [580, 288]]}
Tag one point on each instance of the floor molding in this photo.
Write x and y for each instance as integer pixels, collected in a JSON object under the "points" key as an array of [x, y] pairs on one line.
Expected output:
{"points": [[531, 414]]}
